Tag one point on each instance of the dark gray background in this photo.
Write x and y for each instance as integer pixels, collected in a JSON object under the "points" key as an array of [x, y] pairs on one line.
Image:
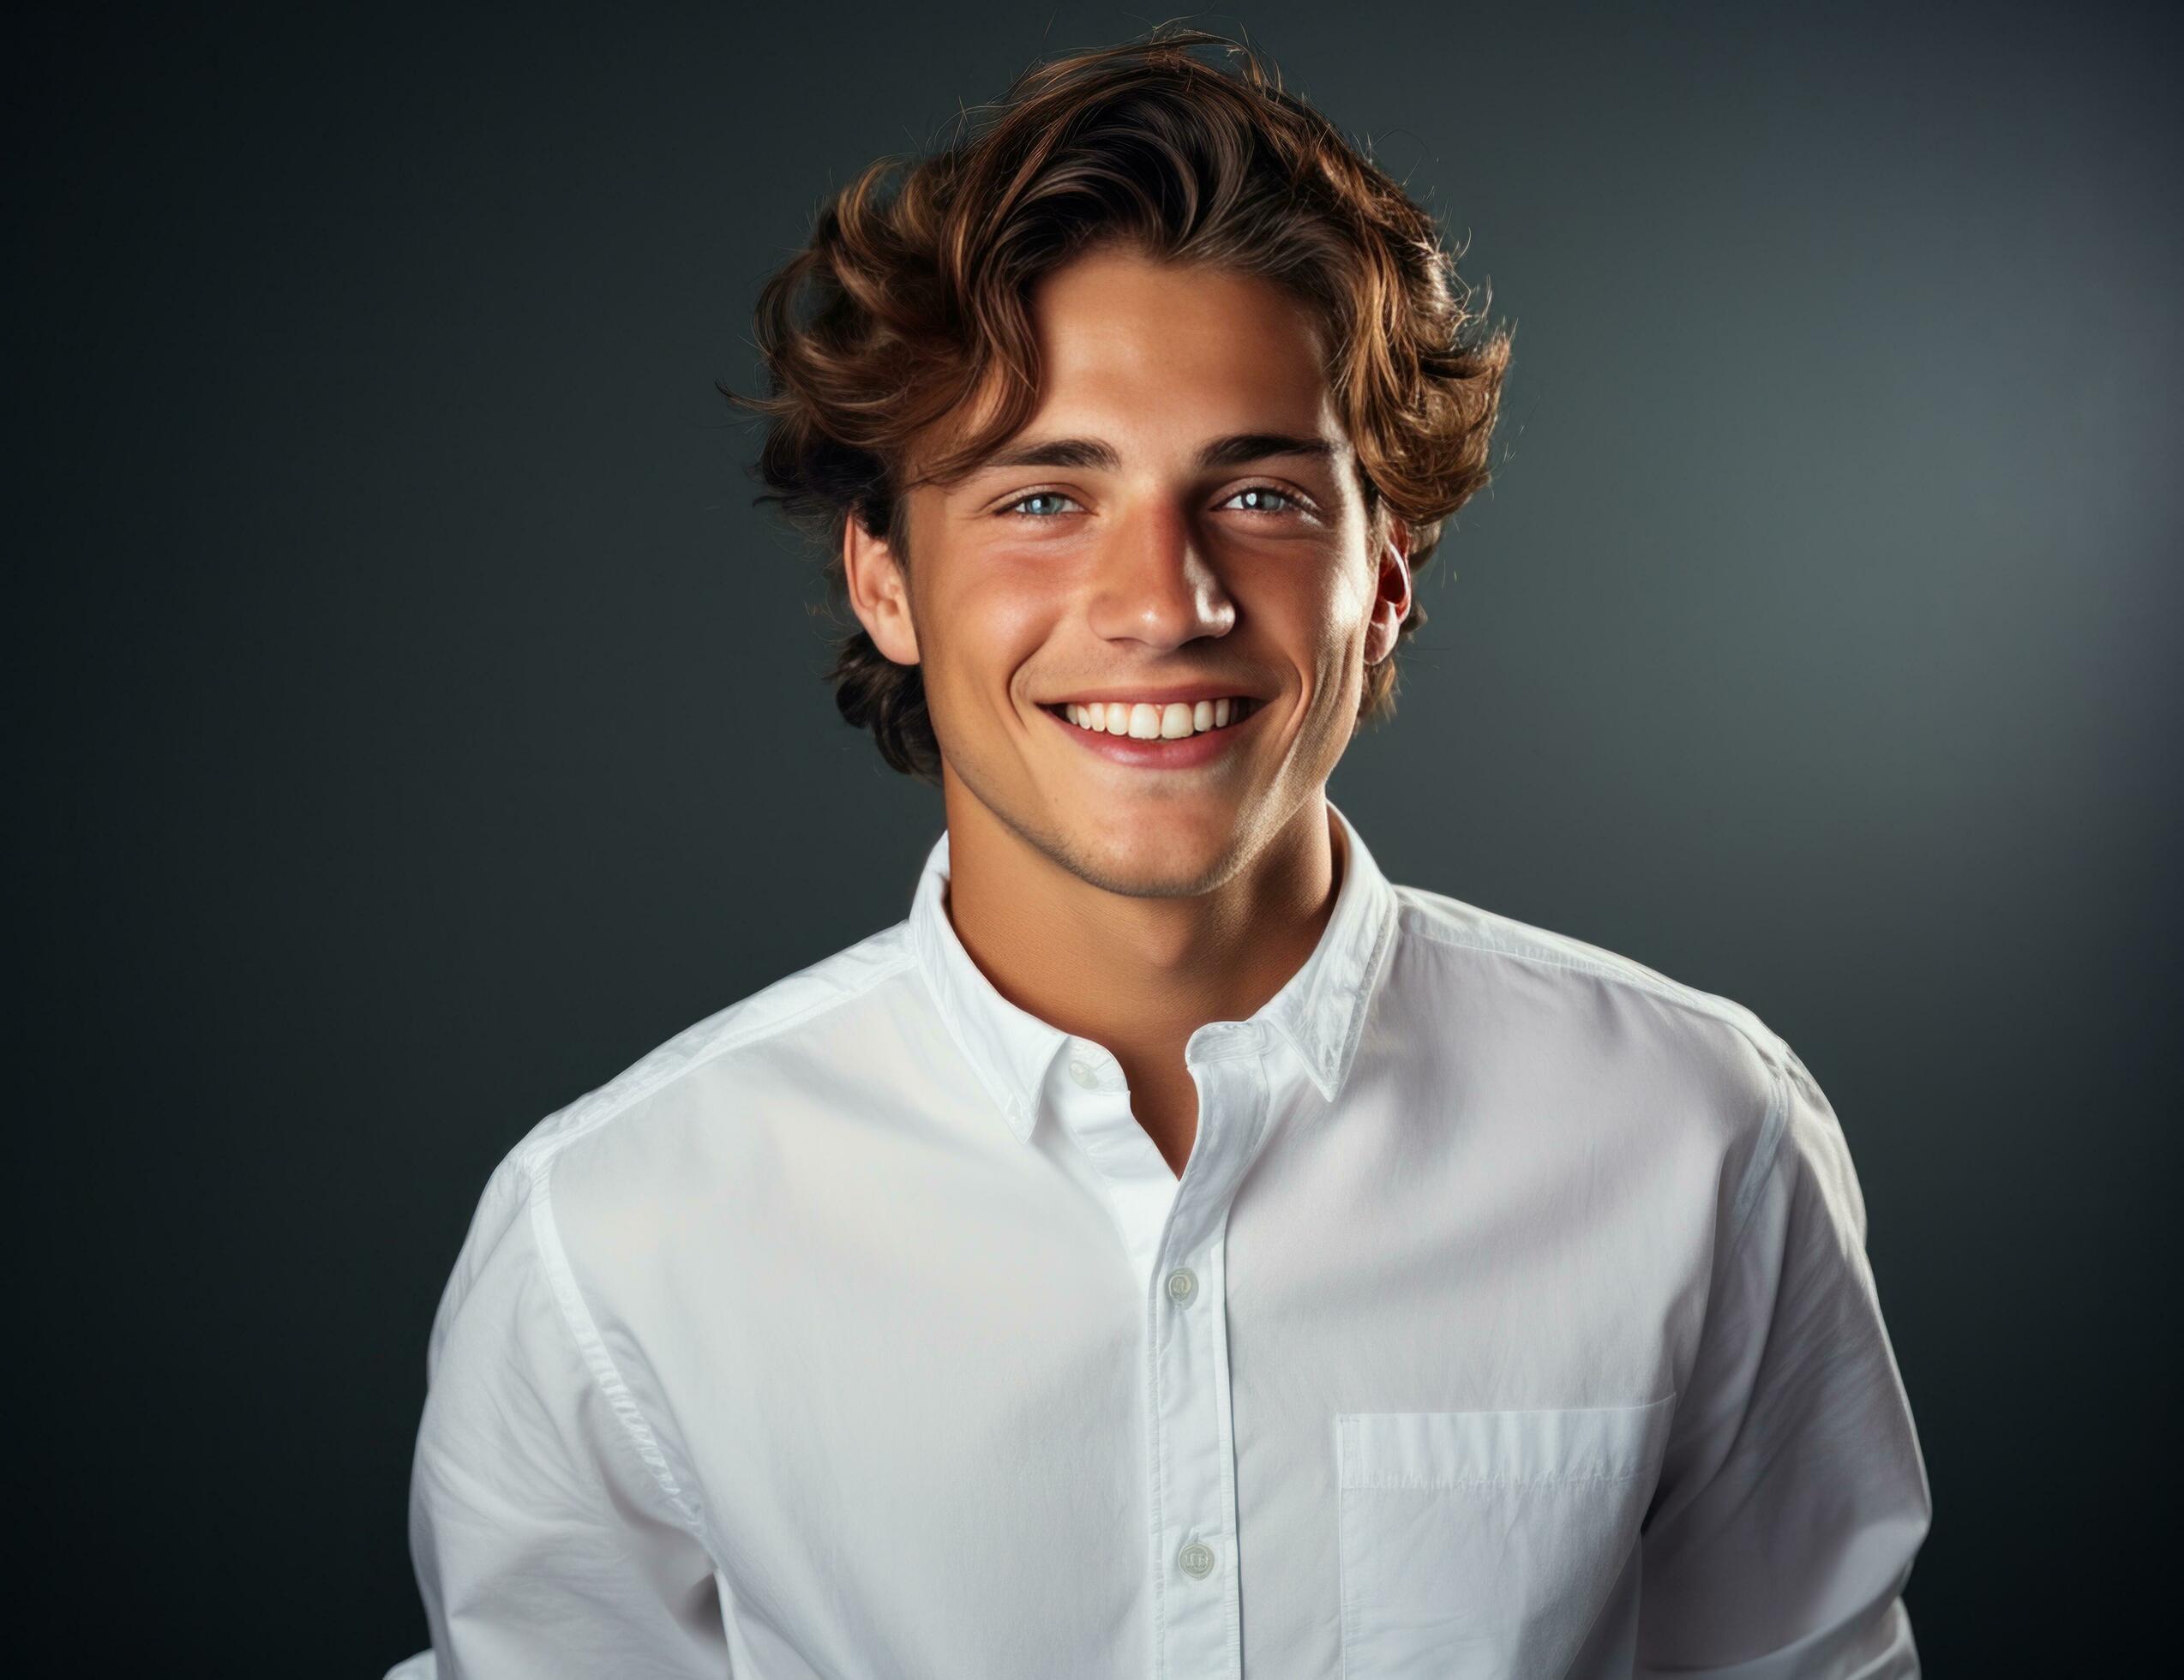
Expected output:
{"points": [[416, 722]]}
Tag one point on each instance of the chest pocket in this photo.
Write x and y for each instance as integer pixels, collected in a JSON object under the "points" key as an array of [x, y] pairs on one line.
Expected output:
{"points": [[1485, 1543]]}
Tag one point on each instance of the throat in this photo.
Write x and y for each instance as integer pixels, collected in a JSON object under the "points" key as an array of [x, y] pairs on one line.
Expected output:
{"points": [[1168, 1112]]}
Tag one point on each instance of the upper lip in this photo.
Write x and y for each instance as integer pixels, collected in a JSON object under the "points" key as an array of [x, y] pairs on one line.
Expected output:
{"points": [[1158, 693]]}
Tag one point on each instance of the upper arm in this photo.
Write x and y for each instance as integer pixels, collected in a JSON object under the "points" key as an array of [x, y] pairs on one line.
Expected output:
{"points": [[1793, 1496], [546, 1541]]}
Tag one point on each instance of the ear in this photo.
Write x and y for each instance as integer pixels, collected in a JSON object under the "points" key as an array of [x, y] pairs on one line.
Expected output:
{"points": [[1391, 600], [879, 594]]}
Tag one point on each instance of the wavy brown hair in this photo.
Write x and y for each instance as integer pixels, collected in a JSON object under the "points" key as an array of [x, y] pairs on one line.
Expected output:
{"points": [[909, 307]]}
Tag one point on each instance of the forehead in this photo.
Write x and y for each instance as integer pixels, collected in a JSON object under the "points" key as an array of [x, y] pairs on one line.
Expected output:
{"points": [[1131, 341]]}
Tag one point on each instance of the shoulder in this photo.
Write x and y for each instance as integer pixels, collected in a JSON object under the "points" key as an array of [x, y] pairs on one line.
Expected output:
{"points": [[613, 1176], [1498, 944], [1708, 1064], [670, 1084]]}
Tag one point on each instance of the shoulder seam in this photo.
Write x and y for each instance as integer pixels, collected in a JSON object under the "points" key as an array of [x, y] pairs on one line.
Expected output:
{"points": [[1772, 1123], [1772, 1127], [613, 1102], [1670, 990], [535, 1160]]}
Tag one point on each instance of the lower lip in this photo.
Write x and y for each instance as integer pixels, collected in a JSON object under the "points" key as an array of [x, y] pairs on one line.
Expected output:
{"points": [[1183, 753]]}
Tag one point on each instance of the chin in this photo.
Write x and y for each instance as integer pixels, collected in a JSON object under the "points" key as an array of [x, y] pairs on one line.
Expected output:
{"points": [[1159, 861]]}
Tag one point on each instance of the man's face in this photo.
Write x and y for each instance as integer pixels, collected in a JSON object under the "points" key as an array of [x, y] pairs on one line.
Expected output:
{"points": [[1183, 511]]}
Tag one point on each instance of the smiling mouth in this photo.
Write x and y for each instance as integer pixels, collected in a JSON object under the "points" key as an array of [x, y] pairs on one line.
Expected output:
{"points": [[1149, 724], [1221, 743]]}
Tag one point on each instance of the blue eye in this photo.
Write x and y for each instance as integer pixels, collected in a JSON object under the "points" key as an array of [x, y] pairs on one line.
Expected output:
{"points": [[1269, 500], [1037, 495]]}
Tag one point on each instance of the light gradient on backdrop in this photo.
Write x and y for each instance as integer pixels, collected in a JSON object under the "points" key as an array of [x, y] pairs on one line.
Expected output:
{"points": [[414, 695]]}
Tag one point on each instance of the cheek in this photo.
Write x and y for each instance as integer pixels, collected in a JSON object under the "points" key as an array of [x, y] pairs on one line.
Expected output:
{"points": [[993, 618], [1330, 623]]}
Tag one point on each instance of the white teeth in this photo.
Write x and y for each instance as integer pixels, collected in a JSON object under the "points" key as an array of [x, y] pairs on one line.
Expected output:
{"points": [[1144, 721]]}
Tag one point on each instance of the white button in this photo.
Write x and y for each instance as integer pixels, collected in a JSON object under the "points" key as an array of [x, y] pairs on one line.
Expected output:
{"points": [[1197, 1560], [1083, 1073], [1181, 1285]]}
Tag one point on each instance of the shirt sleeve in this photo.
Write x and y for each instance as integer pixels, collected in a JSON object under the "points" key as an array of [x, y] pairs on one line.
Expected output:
{"points": [[1793, 1496], [549, 1536]]}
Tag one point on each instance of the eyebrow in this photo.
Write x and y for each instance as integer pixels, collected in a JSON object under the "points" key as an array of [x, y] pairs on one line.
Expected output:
{"points": [[1091, 455]]}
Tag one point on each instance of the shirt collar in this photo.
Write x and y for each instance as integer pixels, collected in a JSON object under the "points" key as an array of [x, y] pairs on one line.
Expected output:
{"points": [[1320, 1011]]}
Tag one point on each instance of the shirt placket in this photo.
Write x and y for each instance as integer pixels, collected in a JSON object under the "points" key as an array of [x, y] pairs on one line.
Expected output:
{"points": [[1174, 1233]]}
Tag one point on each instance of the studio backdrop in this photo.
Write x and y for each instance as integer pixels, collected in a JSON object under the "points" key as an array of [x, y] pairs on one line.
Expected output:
{"points": [[416, 720]]}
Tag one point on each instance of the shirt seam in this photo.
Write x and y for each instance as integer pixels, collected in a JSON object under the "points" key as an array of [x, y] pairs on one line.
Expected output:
{"points": [[537, 1159], [584, 1330], [1669, 991], [1413, 1483], [1772, 1127], [1773, 1122], [615, 1103]]}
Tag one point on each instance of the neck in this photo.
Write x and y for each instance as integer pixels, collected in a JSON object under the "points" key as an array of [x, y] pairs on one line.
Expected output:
{"points": [[1138, 974]]}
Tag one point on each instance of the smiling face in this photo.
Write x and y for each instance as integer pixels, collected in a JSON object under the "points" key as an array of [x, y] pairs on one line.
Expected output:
{"points": [[1181, 519]]}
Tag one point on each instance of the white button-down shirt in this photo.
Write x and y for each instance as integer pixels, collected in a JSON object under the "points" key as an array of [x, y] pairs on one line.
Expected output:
{"points": [[1510, 1317]]}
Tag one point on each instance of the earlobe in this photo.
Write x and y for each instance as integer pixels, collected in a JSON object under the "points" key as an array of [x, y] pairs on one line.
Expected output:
{"points": [[879, 593]]}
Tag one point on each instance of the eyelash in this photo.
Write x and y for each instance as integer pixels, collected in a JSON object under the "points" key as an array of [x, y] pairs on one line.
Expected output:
{"points": [[1297, 503]]}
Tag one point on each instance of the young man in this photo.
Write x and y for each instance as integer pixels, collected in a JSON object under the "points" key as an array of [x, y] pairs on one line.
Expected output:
{"points": [[1173, 1249]]}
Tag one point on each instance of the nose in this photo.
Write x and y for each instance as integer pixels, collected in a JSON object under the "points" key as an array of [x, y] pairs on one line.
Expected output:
{"points": [[1155, 583]]}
